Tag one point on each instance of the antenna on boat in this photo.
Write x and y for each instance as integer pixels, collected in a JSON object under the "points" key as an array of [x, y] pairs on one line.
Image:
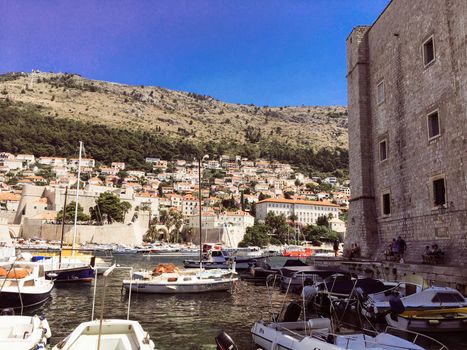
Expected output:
{"points": [[63, 227], [105, 275], [77, 197]]}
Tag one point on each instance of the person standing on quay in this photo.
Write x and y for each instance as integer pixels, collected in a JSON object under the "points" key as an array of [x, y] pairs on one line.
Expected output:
{"points": [[336, 247], [402, 246]]}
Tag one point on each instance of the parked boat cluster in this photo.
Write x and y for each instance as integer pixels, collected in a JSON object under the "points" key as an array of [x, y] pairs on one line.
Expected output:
{"points": [[327, 308]]}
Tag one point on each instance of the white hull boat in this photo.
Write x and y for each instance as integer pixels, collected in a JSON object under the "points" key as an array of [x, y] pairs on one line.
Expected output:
{"points": [[315, 334], [427, 299], [23, 285], [191, 281], [23, 332], [114, 335]]}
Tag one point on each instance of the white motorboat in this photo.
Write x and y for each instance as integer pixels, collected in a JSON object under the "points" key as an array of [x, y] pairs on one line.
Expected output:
{"points": [[23, 332], [426, 299], [168, 279], [316, 334], [111, 335], [434, 309], [107, 334], [23, 285], [124, 249]]}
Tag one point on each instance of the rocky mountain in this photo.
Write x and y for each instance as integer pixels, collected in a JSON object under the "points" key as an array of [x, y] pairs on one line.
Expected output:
{"points": [[182, 116]]}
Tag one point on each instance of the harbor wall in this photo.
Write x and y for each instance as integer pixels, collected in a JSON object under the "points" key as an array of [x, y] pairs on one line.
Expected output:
{"points": [[449, 276], [129, 234]]}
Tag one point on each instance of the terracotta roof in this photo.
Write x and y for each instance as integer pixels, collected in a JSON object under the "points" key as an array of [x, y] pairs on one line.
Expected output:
{"points": [[8, 196], [291, 201]]}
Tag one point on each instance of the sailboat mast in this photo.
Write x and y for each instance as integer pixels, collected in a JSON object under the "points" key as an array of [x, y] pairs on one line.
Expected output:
{"points": [[63, 227], [76, 200], [199, 205]]}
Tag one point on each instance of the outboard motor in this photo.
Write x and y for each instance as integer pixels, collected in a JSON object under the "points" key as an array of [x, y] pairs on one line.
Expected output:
{"points": [[8, 312], [396, 306], [225, 342]]}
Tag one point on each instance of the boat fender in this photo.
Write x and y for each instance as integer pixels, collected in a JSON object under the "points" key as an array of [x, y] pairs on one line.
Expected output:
{"points": [[396, 305], [45, 327], [319, 323], [225, 342]]}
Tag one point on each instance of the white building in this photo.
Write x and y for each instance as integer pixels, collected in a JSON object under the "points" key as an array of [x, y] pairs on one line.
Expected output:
{"points": [[307, 212], [118, 165], [28, 158], [85, 162], [338, 225], [13, 164], [54, 161], [189, 206]]}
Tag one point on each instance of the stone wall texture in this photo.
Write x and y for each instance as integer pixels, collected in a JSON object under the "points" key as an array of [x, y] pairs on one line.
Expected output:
{"points": [[391, 51]]}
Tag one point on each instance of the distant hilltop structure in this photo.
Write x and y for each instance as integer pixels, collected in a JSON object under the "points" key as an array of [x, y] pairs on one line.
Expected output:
{"points": [[407, 83]]}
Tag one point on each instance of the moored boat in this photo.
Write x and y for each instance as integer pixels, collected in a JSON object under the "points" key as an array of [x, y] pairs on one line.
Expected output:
{"points": [[108, 334], [316, 333], [23, 285], [23, 332], [113, 334], [167, 279], [430, 321]]}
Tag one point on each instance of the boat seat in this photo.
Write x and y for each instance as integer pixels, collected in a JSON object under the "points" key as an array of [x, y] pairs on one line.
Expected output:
{"points": [[21, 331], [291, 313], [108, 342]]}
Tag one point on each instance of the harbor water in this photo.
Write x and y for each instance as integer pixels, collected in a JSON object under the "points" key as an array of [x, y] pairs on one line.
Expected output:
{"points": [[184, 321]]}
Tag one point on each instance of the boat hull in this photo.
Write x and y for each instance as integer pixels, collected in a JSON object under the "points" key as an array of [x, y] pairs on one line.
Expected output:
{"points": [[156, 288], [13, 300], [76, 274], [429, 322], [240, 264]]}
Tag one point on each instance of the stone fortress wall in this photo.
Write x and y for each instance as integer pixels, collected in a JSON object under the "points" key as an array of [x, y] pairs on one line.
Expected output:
{"points": [[391, 51]]}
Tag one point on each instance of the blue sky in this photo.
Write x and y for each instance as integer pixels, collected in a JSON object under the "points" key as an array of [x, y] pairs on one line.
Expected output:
{"points": [[266, 52]]}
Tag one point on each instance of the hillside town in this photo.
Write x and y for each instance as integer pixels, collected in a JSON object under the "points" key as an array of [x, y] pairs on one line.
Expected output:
{"points": [[164, 203]]}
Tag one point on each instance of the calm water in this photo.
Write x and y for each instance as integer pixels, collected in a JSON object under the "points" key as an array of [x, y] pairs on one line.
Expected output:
{"points": [[174, 321]]}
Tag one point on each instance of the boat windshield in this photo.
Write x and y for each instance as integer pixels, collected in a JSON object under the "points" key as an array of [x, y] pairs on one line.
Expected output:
{"points": [[446, 297]]}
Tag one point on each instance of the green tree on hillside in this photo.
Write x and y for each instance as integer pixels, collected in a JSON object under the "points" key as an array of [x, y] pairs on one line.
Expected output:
{"points": [[109, 208], [256, 235], [70, 213], [322, 221]]}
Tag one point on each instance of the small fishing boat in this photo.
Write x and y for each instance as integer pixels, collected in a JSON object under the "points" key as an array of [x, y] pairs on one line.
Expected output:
{"points": [[65, 269], [260, 272], [23, 285], [221, 259], [297, 252], [23, 332], [434, 309], [108, 334], [168, 279], [430, 321], [431, 298]]}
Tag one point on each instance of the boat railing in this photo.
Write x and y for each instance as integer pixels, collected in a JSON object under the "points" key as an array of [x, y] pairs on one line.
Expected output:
{"points": [[416, 337], [324, 334]]}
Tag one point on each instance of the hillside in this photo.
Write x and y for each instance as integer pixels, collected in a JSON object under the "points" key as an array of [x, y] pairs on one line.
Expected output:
{"points": [[180, 117]]}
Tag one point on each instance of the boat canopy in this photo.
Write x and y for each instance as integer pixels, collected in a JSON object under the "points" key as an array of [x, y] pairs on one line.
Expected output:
{"points": [[323, 272], [345, 285]]}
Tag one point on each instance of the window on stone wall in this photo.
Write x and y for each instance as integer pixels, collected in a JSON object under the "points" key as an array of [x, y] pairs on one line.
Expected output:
{"points": [[386, 201], [428, 51], [383, 150], [380, 92], [439, 192], [434, 129]]}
